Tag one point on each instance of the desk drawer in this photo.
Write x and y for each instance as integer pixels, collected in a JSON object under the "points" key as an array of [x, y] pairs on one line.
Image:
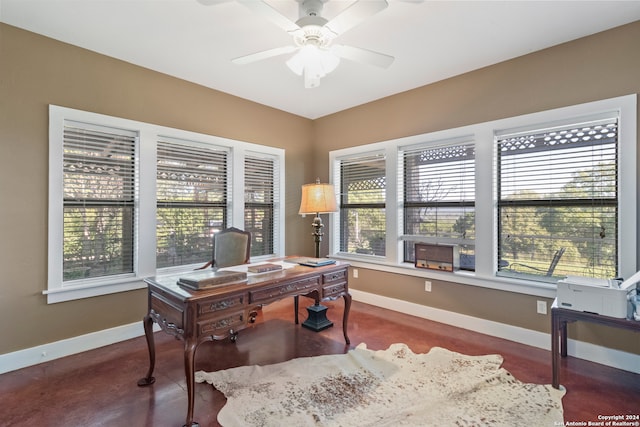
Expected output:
{"points": [[334, 290], [335, 276], [293, 288], [230, 302], [220, 327], [168, 315]]}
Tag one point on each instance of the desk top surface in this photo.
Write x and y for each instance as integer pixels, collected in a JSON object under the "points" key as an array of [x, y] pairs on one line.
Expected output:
{"points": [[290, 271]]}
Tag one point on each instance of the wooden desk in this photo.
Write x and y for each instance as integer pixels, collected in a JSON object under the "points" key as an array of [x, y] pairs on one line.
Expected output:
{"points": [[219, 313], [559, 319]]}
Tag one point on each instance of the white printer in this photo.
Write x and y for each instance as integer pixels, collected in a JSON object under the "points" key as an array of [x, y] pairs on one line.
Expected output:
{"points": [[599, 296]]}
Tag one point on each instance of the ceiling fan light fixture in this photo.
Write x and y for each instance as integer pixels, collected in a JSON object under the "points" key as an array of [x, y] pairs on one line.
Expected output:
{"points": [[314, 63], [313, 35]]}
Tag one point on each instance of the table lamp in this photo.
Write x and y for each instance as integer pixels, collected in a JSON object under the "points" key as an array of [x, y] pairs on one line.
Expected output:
{"points": [[317, 198]]}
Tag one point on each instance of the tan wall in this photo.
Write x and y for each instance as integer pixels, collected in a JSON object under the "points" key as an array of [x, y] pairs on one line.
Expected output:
{"points": [[602, 66], [36, 71]]}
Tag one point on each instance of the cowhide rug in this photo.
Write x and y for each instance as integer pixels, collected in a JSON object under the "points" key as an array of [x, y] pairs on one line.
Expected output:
{"points": [[393, 387]]}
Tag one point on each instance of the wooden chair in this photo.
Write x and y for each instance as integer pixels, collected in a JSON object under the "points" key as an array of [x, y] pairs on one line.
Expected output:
{"points": [[231, 246]]}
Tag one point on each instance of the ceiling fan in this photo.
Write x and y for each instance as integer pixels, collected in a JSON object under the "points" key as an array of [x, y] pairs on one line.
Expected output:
{"points": [[312, 34]]}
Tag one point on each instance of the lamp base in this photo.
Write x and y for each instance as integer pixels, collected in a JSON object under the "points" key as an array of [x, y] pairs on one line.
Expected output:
{"points": [[317, 320]]}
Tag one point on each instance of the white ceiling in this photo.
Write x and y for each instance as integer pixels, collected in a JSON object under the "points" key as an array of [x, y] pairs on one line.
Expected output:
{"points": [[430, 40]]}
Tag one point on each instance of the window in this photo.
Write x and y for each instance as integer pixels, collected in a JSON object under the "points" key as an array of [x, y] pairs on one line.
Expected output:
{"points": [[99, 201], [527, 199], [439, 196], [558, 200], [128, 200], [260, 194], [191, 192], [362, 205]]}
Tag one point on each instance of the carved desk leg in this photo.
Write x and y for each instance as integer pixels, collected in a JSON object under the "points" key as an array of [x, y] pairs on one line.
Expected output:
{"points": [[345, 316], [190, 346], [147, 322]]}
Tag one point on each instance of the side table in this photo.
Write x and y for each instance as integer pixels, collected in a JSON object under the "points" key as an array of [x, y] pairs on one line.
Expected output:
{"points": [[559, 319]]}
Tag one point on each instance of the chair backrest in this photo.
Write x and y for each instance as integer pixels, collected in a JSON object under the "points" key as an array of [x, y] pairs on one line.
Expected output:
{"points": [[555, 260], [231, 246]]}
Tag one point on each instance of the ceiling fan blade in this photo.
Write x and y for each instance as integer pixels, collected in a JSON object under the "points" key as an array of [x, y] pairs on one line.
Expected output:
{"points": [[355, 14], [264, 9], [259, 56], [362, 55]]}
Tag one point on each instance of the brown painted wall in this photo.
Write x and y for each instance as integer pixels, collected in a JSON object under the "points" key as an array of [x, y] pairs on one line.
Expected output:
{"points": [[36, 71], [601, 66]]}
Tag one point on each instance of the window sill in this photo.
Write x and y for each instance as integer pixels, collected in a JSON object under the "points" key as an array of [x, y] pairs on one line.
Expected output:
{"points": [[508, 284], [89, 288], [86, 289]]}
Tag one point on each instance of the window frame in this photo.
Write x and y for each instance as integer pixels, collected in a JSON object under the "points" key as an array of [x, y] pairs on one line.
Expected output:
{"points": [[278, 180], [486, 196], [145, 240], [438, 203], [356, 206], [222, 205], [117, 174], [527, 173]]}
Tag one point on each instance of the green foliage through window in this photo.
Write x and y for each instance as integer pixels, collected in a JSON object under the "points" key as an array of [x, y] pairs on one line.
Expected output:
{"points": [[191, 191], [99, 195], [439, 195], [362, 205], [558, 190]]}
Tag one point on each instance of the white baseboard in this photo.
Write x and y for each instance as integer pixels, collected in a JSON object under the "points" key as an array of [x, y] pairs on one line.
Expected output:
{"points": [[55, 350], [605, 356], [594, 353]]}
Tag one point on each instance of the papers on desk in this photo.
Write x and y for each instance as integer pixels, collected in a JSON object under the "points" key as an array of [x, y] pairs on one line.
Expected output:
{"points": [[264, 268], [312, 262], [254, 268], [207, 279]]}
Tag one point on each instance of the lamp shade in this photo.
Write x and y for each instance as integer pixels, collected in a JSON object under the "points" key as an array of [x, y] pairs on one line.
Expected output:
{"points": [[318, 198], [314, 63]]}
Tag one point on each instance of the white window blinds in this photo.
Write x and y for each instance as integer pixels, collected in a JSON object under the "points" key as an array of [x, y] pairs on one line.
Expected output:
{"points": [[99, 201], [260, 187], [191, 190], [439, 195], [558, 200], [362, 205]]}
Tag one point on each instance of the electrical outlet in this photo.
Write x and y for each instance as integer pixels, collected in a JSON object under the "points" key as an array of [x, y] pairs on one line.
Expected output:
{"points": [[427, 286], [355, 273], [542, 307]]}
